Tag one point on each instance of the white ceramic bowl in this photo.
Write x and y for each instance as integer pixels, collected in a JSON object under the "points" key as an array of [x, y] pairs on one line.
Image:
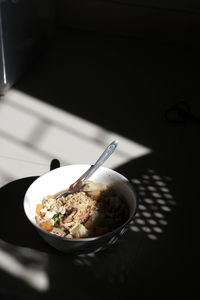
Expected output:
{"points": [[61, 178]]}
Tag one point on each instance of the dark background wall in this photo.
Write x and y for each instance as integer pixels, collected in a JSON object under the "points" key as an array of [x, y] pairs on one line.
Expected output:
{"points": [[167, 20], [26, 26]]}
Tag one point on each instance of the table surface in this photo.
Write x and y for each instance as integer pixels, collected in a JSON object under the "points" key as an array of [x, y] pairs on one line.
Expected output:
{"points": [[81, 74]]}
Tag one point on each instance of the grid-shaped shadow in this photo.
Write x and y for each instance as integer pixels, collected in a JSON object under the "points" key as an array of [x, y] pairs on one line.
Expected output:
{"points": [[155, 203]]}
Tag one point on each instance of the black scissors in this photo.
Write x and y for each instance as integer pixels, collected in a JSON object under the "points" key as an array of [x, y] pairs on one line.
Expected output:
{"points": [[180, 113]]}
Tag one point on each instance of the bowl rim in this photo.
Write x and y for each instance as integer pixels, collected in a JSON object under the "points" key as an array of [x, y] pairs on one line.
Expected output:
{"points": [[85, 239]]}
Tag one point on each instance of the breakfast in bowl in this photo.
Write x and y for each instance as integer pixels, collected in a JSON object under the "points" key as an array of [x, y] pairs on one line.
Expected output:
{"points": [[99, 213], [94, 210]]}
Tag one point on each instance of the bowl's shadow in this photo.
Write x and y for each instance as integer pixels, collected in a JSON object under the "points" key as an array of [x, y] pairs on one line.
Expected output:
{"points": [[15, 227]]}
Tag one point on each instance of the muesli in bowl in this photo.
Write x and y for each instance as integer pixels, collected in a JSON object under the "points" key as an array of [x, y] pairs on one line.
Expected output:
{"points": [[95, 210]]}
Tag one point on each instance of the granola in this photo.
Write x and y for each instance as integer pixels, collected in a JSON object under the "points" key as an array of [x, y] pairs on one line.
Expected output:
{"points": [[93, 211]]}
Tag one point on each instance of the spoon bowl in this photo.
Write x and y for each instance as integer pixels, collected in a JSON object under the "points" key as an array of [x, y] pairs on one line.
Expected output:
{"points": [[75, 187]]}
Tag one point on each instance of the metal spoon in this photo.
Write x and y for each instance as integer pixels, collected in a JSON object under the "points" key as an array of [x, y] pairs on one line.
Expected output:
{"points": [[75, 187]]}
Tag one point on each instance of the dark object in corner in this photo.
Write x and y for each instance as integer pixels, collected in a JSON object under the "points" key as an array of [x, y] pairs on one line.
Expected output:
{"points": [[180, 113]]}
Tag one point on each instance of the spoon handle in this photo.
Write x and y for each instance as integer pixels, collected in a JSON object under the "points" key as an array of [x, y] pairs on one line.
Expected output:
{"points": [[103, 157]]}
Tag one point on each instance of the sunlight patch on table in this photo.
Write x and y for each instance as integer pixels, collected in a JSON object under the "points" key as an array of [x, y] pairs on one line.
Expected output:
{"points": [[35, 132]]}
